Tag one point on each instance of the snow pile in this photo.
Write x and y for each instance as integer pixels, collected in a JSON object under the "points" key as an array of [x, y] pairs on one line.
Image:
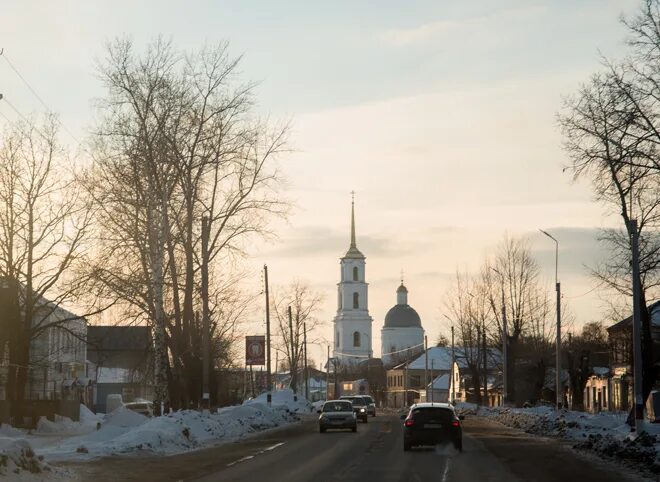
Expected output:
{"points": [[66, 426], [284, 398], [605, 433], [127, 432], [17, 456], [9, 431], [318, 405]]}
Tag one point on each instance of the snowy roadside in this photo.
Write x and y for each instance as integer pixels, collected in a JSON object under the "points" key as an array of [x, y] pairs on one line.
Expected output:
{"points": [[126, 433], [605, 434]]}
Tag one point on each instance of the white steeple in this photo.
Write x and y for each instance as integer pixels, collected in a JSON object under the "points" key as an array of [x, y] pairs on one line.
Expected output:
{"points": [[352, 333]]}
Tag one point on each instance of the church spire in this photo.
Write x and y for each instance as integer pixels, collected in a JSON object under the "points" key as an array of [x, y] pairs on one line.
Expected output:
{"points": [[353, 251], [353, 245]]}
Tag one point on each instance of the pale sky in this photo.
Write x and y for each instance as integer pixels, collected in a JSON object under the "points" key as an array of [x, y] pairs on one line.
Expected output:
{"points": [[440, 115]]}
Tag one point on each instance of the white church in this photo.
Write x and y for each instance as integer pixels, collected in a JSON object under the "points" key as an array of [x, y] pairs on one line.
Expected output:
{"points": [[402, 329]]}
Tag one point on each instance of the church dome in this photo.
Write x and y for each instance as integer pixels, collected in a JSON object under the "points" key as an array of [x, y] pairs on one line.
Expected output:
{"points": [[402, 316]]}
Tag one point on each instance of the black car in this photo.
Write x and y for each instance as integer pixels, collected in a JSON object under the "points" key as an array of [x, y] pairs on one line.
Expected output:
{"points": [[359, 406], [432, 424]]}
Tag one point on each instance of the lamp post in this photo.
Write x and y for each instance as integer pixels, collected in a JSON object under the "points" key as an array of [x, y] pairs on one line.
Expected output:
{"points": [[505, 344], [558, 390]]}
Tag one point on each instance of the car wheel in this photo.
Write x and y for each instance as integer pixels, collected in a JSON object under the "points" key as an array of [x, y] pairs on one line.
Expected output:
{"points": [[366, 419], [458, 445], [354, 429], [322, 429], [406, 446]]}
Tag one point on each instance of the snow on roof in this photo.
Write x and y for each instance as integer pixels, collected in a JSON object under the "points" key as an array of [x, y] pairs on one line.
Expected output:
{"points": [[440, 358], [113, 375], [601, 371], [440, 383]]}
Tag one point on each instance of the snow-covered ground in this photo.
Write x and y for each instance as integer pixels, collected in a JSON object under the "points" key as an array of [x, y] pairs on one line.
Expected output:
{"points": [[124, 432], [605, 433]]}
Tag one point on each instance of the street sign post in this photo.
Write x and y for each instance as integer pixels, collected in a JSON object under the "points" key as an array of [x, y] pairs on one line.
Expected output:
{"points": [[255, 350]]}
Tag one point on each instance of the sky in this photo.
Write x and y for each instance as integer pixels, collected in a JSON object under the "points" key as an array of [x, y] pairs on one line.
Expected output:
{"points": [[440, 115]]}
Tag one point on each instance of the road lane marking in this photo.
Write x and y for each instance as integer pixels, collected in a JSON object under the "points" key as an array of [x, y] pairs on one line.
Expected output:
{"points": [[250, 457], [445, 473]]}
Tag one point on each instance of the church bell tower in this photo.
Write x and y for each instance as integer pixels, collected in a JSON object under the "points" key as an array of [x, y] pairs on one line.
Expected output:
{"points": [[352, 324]]}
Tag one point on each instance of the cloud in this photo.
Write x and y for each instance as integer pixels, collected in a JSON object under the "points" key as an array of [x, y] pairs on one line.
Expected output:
{"points": [[433, 32], [311, 241]]}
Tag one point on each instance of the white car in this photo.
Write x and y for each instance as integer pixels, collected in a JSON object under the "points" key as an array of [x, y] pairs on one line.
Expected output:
{"points": [[144, 408]]}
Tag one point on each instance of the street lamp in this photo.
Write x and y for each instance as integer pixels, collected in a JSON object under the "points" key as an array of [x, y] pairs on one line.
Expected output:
{"points": [[558, 342], [505, 343]]}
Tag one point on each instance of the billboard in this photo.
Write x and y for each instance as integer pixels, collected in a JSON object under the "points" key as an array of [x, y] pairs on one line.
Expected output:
{"points": [[255, 350]]}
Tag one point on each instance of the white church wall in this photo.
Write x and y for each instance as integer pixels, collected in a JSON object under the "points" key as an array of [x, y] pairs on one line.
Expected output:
{"points": [[395, 339]]}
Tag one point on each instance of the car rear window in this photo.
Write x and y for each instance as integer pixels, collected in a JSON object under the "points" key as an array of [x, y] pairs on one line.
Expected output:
{"points": [[369, 399], [337, 407], [425, 414], [357, 401], [138, 406]]}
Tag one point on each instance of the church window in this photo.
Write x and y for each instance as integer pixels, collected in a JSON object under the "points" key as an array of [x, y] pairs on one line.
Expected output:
{"points": [[356, 301], [356, 339], [355, 273]]}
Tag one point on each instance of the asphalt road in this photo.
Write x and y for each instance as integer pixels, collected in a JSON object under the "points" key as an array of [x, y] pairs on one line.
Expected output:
{"points": [[375, 453]]}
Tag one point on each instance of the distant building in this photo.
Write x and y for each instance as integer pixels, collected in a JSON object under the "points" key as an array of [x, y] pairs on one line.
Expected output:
{"points": [[402, 331], [621, 356], [122, 360], [57, 368]]}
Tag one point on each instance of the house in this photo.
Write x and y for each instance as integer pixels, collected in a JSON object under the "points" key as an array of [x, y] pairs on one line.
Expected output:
{"points": [[621, 356], [121, 358], [57, 376], [597, 390], [406, 384]]}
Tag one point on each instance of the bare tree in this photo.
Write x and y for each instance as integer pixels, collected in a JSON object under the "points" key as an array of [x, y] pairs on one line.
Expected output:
{"points": [[303, 304], [610, 133], [44, 227], [177, 141]]}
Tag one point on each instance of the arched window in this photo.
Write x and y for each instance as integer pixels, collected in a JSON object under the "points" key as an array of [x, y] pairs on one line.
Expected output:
{"points": [[356, 339], [337, 340], [356, 301], [355, 273]]}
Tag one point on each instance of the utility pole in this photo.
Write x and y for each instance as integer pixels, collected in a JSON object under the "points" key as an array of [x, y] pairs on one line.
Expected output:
{"points": [[505, 352], [269, 379], [432, 394], [558, 387], [327, 376], [206, 395], [485, 367], [292, 355], [305, 361], [637, 329], [426, 365], [453, 362]]}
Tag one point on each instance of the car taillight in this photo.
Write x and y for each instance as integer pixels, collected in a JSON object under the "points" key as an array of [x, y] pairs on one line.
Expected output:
{"points": [[409, 423], [455, 423]]}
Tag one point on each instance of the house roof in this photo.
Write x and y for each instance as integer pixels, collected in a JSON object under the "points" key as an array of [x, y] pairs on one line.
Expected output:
{"points": [[440, 383], [654, 311], [440, 358], [118, 338]]}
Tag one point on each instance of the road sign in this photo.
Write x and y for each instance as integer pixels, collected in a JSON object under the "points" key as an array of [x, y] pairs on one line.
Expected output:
{"points": [[255, 350]]}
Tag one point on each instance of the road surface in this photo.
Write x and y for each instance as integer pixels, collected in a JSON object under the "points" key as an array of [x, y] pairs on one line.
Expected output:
{"points": [[375, 453]]}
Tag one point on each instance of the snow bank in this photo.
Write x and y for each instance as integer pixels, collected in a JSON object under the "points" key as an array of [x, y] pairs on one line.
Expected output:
{"points": [[283, 398], [125, 432], [605, 433], [17, 457], [66, 426]]}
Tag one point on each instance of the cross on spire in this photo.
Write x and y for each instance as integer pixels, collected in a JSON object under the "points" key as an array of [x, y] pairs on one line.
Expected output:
{"points": [[353, 245]]}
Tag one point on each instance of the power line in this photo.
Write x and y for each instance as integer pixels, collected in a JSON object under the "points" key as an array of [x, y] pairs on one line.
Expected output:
{"points": [[34, 92]]}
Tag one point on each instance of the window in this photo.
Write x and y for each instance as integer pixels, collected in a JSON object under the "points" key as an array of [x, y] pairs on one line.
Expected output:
{"points": [[337, 340], [355, 273], [356, 339], [356, 301]]}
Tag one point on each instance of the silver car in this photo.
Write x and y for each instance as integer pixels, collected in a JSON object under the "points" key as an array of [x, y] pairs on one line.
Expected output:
{"points": [[337, 414], [371, 405]]}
